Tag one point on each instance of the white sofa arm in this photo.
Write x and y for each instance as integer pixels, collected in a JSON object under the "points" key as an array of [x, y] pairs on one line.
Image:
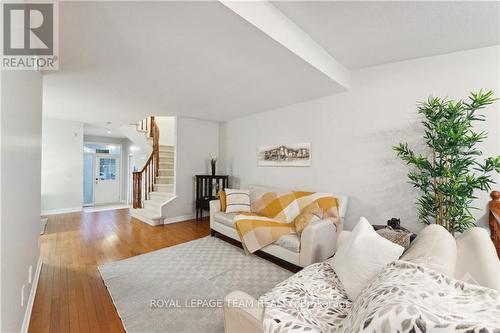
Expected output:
{"points": [[318, 242], [214, 208], [343, 236], [242, 314]]}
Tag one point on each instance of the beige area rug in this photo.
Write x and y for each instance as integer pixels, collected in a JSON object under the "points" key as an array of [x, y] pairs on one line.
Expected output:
{"points": [[181, 288]]}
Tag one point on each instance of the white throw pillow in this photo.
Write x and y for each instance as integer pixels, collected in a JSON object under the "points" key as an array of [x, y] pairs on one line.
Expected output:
{"points": [[362, 256], [237, 201]]}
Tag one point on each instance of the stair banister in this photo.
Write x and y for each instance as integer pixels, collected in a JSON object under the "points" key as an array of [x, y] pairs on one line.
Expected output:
{"points": [[145, 178]]}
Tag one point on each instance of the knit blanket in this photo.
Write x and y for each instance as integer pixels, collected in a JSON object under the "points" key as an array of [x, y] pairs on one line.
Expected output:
{"points": [[273, 213]]}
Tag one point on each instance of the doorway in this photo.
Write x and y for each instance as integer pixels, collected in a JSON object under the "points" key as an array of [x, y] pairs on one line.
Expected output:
{"points": [[107, 179], [101, 174]]}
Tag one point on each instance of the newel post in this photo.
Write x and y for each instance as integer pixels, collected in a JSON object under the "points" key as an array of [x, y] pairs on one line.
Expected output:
{"points": [[495, 219], [137, 191]]}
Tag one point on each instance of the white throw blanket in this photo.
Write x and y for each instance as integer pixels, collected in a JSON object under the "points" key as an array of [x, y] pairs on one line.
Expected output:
{"points": [[404, 298]]}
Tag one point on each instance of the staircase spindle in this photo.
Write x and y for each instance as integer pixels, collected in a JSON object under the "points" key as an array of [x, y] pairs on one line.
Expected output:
{"points": [[150, 189]]}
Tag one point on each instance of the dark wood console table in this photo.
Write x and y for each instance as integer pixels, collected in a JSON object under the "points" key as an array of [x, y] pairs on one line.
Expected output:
{"points": [[206, 189]]}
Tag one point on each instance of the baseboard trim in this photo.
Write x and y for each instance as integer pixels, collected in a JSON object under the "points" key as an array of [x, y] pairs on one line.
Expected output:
{"points": [[61, 211], [181, 218], [31, 299]]}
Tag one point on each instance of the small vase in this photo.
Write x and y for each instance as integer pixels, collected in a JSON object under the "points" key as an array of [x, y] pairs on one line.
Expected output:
{"points": [[213, 167]]}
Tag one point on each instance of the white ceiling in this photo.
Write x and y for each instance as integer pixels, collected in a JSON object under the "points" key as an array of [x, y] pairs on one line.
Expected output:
{"points": [[106, 130], [126, 60], [122, 61], [361, 34]]}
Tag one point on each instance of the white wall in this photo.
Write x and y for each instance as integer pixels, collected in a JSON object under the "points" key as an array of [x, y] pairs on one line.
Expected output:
{"points": [[167, 130], [62, 165], [196, 139], [21, 131], [352, 133]]}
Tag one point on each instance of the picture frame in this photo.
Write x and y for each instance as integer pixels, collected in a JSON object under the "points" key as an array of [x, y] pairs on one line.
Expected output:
{"points": [[294, 155]]}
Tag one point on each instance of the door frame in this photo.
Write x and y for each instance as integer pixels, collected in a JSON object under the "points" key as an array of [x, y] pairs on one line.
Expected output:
{"points": [[120, 156], [93, 176]]}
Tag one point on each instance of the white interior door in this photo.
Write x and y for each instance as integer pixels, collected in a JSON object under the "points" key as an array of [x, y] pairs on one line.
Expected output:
{"points": [[107, 179]]}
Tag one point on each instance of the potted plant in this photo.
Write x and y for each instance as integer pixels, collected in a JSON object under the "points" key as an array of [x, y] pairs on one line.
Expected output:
{"points": [[449, 173]]}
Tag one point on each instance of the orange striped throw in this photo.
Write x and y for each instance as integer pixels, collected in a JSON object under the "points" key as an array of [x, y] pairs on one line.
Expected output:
{"points": [[273, 212]]}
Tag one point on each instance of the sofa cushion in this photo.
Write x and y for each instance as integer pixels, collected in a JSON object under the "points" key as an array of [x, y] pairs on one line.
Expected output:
{"points": [[362, 256], [434, 248], [290, 242], [313, 300], [225, 218]]}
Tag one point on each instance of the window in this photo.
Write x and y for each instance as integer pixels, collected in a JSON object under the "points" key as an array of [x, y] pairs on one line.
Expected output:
{"points": [[100, 148], [107, 168]]}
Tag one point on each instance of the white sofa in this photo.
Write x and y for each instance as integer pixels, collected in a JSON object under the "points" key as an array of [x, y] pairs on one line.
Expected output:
{"points": [[317, 242], [474, 260]]}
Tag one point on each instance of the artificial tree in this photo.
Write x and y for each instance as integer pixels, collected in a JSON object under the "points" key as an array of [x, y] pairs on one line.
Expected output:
{"points": [[449, 173]]}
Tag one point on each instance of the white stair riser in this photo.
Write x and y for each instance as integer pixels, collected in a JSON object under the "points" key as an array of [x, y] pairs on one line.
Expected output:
{"points": [[140, 214], [160, 196], [165, 181], [164, 178], [169, 166], [164, 188], [166, 172]]}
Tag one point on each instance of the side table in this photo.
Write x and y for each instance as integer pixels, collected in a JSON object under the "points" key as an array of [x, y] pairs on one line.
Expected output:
{"points": [[401, 236]]}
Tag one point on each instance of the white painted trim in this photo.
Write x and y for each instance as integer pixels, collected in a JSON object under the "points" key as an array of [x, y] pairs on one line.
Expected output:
{"points": [[181, 218], [61, 211], [31, 299], [104, 208], [175, 157], [172, 198]]}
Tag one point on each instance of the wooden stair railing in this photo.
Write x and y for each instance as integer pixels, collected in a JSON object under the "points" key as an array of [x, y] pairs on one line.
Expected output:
{"points": [[495, 219], [144, 180]]}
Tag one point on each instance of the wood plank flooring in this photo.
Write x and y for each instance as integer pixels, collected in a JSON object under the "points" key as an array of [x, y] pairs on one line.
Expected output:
{"points": [[71, 296]]}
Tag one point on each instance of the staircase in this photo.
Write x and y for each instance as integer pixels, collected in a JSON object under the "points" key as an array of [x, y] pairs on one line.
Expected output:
{"points": [[154, 184]]}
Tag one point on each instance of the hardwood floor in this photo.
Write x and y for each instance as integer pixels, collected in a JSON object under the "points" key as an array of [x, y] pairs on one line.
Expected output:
{"points": [[71, 296]]}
